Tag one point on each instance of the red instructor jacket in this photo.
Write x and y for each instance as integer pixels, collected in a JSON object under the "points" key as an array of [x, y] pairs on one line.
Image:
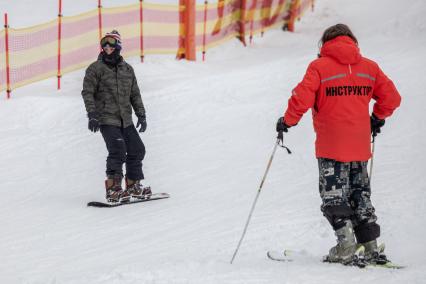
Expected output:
{"points": [[338, 87]]}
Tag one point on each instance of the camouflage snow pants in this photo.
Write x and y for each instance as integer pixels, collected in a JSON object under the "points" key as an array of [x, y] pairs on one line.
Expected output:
{"points": [[345, 192]]}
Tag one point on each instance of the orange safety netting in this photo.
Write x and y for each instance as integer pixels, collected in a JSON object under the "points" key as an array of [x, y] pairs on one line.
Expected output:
{"points": [[240, 18], [145, 28]]}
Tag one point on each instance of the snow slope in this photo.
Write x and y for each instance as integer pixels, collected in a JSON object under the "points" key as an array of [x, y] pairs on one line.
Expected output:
{"points": [[208, 143]]}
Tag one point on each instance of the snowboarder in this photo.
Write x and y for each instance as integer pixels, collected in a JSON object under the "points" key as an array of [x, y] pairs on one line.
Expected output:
{"points": [[338, 87], [110, 91]]}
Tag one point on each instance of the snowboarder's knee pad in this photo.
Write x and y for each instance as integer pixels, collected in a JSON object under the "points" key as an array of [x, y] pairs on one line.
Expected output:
{"points": [[337, 215], [367, 232]]}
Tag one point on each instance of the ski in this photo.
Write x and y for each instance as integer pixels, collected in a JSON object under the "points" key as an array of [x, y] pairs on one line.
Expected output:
{"points": [[154, 196], [388, 264], [303, 256], [279, 255]]}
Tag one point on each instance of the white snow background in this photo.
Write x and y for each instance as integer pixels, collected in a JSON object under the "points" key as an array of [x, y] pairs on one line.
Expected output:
{"points": [[210, 134]]}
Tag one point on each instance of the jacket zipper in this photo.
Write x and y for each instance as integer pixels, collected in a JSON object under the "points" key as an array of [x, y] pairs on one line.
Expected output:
{"points": [[350, 69], [118, 95]]}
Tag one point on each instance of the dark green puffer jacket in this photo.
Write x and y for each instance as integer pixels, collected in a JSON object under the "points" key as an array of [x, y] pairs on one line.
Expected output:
{"points": [[111, 92]]}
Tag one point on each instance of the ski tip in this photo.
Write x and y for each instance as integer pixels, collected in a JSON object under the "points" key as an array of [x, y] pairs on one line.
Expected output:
{"points": [[98, 204], [389, 265], [278, 256]]}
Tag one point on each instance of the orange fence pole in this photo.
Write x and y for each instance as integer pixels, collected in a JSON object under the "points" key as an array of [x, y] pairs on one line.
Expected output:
{"points": [[100, 20], [265, 15], [190, 49], [187, 19], [205, 29], [59, 43], [6, 27], [220, 11], [252, 11], [293, 14], [141, 28], [181, 49], [242, 22]]}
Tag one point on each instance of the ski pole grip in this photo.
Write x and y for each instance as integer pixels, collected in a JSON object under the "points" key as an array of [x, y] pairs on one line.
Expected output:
{"points": [[280, 136]]}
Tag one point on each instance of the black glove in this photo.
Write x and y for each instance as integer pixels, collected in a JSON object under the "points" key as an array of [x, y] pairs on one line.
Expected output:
{"points": [[281, 125], [93, 121], [141, 123], [376, 124]]}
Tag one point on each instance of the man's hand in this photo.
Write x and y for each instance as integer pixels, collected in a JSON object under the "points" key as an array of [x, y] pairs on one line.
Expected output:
{"points": [[281, 125], [376, 124], [93, 122], [141, 123]]}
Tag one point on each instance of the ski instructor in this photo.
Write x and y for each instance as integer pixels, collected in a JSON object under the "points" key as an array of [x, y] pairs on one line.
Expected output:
{"points": [[338, 87], [110, 91]]}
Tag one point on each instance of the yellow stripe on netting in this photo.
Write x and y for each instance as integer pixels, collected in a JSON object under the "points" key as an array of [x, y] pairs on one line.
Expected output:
{"points": [[305, 6], [36, 28], [149, 29], [260, 30], [3, 69], [215, 43], [164, 7], [77, 25], [120, 9], [215, 25], [80, 17], [34, 79], [232, 36], [213, 5], [38, 53], [2, 49], [258, 15], [218, 24], [152, 51], [145, 5], [79, 66]]}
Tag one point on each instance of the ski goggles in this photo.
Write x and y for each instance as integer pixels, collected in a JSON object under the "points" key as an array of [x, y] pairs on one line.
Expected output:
{"points": [[109, 41]]}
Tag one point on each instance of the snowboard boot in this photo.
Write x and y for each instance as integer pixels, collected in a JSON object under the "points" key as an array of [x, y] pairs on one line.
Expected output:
{"points": [[374, 254], [136, 190], [345, 251], [114, 191]]}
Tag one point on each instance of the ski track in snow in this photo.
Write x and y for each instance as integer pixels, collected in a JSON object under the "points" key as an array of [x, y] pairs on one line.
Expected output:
{"points": [[208, 143]]}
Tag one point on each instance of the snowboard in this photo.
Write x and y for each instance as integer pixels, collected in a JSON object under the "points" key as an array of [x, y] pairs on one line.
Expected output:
{"points": [[154, 196], [304, 257]]}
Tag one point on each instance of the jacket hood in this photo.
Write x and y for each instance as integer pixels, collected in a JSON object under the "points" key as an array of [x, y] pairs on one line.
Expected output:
{"points": [[343, 49]]}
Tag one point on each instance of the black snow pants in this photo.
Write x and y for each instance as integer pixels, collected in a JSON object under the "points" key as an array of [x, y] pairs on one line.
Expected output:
{"points": [[345, 193], [124, 146]]}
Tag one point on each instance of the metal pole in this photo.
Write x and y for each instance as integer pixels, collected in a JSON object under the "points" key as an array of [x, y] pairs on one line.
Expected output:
{"points": [[255, 200], [252, 11], [6, 28], [371, 160], [205, 29], [141, 29], [59, 42], [100, 21]]}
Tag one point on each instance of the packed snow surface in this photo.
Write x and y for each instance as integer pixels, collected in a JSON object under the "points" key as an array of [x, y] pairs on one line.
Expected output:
{"points": [[210, 134]]}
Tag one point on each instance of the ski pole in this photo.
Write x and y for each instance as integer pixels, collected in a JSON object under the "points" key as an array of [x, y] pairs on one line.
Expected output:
{"points": [[279, 139], [372, 159]]}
